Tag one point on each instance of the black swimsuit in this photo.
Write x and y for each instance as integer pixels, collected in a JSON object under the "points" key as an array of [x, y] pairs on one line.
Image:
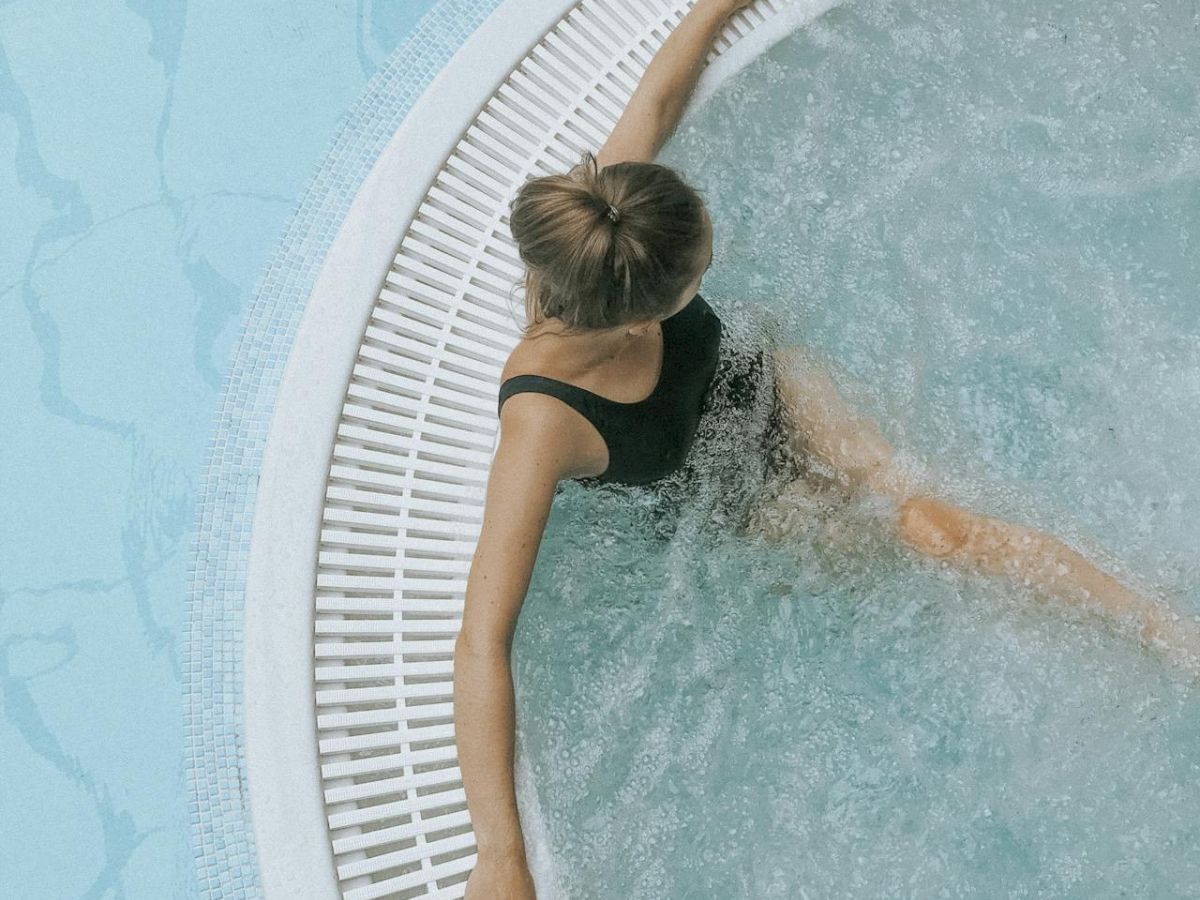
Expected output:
{"points": [[650, 438], [717, 390]]}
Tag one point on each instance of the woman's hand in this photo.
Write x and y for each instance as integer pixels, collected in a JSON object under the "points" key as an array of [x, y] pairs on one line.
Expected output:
{"points": [[732, 6], [500, 876]]}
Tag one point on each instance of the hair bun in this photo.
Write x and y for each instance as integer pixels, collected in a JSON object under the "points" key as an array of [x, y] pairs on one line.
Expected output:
{"points": [[602, 247]]}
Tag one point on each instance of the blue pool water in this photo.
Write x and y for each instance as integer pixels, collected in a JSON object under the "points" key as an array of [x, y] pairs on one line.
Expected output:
{"points": [[153, 153], [986, 215]]}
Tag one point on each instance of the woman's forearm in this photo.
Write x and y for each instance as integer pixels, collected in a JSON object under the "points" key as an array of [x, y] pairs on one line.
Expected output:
{"points": [[484, 718], [669, 80]]}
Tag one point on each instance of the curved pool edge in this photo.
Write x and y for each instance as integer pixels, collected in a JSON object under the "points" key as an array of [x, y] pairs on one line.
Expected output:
{"points": [[220, 825], [279, 725], [269, 840]]}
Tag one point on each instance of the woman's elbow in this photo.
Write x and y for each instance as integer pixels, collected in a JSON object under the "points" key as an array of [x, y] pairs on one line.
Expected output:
{"points": [[482, 643]]}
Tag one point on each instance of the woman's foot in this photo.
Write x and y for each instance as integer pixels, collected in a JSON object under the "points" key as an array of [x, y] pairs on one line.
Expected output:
{"points": [[1173, 635]]}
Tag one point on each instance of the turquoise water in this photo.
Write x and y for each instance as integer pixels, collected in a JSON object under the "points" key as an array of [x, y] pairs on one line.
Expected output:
{"points": [[152, 154], [986, 214], [1011, 296]]}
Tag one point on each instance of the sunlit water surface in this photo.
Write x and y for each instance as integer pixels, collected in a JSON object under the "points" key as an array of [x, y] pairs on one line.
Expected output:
{"points": [[987, 215]]}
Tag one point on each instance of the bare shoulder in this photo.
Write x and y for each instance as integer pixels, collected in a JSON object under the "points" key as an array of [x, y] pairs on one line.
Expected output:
{"points": [[541, 432]]}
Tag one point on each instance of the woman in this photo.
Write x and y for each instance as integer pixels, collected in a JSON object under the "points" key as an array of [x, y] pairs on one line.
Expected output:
{"points": [[609, 383]]}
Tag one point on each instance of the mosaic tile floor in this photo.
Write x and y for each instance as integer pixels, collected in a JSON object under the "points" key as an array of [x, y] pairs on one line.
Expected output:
{"points": [[219, 813]]}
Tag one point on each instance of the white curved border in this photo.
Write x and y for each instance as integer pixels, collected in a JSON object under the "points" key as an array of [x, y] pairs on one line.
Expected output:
{"points": [[289, 821]]}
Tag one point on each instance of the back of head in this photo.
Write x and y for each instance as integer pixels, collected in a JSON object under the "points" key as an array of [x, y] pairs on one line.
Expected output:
{"points": [[594, 268]]}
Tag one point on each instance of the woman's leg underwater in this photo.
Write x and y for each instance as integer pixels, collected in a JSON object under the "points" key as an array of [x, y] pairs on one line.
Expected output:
{"points": [[1044, 563], [824, 427]]}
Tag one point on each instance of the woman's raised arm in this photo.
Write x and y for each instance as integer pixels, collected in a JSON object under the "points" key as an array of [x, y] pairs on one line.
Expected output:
{"points": [[662, 94]]}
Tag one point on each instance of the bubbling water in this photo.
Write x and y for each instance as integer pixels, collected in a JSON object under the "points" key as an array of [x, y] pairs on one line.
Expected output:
{"points": [[986, 213]]}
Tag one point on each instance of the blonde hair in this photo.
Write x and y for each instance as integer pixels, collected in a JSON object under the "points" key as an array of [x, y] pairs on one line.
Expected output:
{"points": [[602, 247]]}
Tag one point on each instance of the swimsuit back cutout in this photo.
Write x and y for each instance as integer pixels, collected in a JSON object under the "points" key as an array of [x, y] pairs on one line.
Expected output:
{"points": [[647, 439]]}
